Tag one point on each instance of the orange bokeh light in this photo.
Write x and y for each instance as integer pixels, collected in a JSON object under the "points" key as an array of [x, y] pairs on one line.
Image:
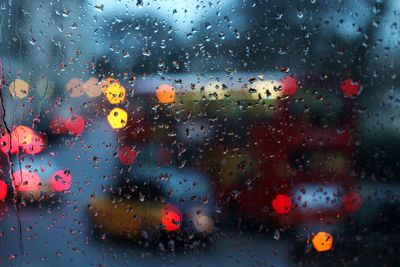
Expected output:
{"points": [[322, 241], [166, 94]]}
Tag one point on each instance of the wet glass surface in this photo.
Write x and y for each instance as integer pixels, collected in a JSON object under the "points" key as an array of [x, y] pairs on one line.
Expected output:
{"points": [[199, 133]]}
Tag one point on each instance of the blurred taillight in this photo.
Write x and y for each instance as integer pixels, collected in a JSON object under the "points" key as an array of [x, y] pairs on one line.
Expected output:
{"points": [[282, 204], [171, 218]]}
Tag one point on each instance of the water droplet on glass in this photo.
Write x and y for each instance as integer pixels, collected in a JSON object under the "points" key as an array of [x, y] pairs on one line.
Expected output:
{"points": [[300, 14], [277, 234]]}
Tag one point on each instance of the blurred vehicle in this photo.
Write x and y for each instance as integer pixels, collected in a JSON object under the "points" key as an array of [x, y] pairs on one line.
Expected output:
{"points": [[278, 150], [167, 205], [306, 162]]}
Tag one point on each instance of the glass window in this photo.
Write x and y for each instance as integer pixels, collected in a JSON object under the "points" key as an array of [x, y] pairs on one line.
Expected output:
{"points": [[199, 133]]}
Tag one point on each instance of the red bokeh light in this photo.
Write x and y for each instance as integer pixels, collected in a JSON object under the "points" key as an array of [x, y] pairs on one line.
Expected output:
{"points": [[75, 125], [3, 190], [289, 85], [26, 181], [127, 155], [350, 88], [5, 146], [352, 202], [60, 180], [171, 218], [22, 137], [282, 204]]}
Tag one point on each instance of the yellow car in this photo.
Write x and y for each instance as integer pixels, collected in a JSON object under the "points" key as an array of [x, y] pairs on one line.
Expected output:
{"points": [[155, 204]]}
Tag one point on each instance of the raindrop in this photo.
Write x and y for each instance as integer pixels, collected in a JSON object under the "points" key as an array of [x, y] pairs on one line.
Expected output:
{"points": [[300, 14], [277, 234]]}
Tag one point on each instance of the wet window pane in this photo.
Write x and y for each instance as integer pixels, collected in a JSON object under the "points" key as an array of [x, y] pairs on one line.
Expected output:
{"points": [[199, 133]]}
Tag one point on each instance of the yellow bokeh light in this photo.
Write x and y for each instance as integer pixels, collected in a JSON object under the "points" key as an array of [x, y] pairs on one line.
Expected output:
{"points": [[322, 241], [266, 89], [109, 81], [19, 88], [117, 118], [115, 93]]}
